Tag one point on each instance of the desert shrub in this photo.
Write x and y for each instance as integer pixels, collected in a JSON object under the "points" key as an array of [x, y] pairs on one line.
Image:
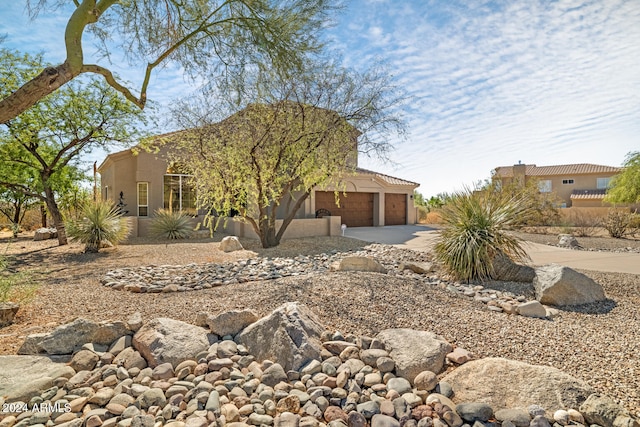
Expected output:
{"points": [[620, 223], [100, 224], [14, 287], [475, 231], [585, 224], [171, 225], [423, 212]]}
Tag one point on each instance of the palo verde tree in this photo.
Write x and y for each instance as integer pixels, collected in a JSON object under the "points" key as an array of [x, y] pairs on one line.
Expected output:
{"points": [[292, 135], [204, 37], [48, 140], [625, 187]]}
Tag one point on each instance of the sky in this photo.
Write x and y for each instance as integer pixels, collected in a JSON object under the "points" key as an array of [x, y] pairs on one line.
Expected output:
{"points": [[489, 83]]}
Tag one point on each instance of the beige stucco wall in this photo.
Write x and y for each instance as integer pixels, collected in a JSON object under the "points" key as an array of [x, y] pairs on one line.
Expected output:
{"points": [[306, 227]]}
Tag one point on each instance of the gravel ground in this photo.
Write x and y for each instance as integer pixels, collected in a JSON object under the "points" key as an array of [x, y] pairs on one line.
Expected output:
{"points": [[599, 343], [587, 243]]}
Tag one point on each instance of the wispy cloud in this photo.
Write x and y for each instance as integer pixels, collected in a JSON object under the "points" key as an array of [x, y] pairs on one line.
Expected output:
{"points": [[544, 82]]}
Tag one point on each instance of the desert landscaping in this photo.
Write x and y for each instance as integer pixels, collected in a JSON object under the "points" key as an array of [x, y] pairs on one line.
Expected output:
{"points": [[594, 345]]}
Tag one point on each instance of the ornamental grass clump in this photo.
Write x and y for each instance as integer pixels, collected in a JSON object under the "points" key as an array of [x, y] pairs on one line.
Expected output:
{"points": [[171, 225], [101, 224], [475, 232]]}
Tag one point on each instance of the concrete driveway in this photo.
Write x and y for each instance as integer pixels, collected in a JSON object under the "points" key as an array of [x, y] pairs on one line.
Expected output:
{"points": [[422, 238]]}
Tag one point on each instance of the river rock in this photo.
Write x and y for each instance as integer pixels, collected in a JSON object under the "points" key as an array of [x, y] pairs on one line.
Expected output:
{"points": [[290, 336], [604, 411], [532, 309], [503, 383], [415, 351], [559, 285], [166, 340]]}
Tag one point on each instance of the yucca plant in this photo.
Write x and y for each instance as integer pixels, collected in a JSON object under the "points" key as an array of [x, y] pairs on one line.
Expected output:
{"points": [[171, 225], [475, 231], [101, 223]]}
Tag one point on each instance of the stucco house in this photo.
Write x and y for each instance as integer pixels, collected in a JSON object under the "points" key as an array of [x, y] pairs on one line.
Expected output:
{"points": [[575, 185], [144, 182]]}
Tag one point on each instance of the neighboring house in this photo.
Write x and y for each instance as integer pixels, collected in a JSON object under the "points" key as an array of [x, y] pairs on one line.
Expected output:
{"points": [[576, 185], [147, 183]]}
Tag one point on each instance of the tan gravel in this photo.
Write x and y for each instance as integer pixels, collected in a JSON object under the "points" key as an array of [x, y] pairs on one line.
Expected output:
{"points": [[598, 343]]}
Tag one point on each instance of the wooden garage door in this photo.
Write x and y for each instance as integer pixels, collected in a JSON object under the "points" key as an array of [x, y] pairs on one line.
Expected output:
{"points": [[356, 209], [395, 209]]}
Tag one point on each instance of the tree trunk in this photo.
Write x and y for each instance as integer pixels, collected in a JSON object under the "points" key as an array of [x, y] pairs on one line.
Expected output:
{"points": [[56, 215], [43, 216], [48, 81], [267, 234]]}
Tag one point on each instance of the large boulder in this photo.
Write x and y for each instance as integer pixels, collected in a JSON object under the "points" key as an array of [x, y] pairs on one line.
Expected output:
{"points": [[360, 263], [290, 336], [23, 377], [505, 384], [165, 340], [508, 271], [567, 241], [45, 233], [415, 351], [231, 322], [230, 244], [559, 285], [68, 338]]}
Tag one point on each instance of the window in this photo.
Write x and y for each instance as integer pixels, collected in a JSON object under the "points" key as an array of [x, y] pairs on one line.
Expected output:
{"points": [[567, 181], [178, 194], [143, 199], [603, 183], [544, 186]]}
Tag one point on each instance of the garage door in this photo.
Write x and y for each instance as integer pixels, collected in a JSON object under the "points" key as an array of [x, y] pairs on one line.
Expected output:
{"points": [[356, 209], [395, 209]]}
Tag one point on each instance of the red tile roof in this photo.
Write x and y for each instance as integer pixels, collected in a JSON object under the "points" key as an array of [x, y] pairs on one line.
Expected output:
{"points": [[387, 178], [588, 194], [574, 169]]}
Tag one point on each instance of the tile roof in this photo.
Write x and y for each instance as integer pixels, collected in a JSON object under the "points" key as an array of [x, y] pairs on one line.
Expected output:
{"points": [[573, 169], [588, 194], [386, 178]]}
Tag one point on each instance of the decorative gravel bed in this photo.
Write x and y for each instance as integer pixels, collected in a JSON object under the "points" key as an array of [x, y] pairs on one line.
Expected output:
{"points": [[599, 343]]}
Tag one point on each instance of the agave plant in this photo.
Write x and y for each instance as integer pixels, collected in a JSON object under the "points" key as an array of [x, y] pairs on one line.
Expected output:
{"points": [[171, 225], [476, 232], [101, 223]]}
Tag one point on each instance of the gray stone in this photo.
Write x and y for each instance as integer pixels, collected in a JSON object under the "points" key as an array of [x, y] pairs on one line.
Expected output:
{"points": [[84, 360], [287, 419], [559, 285], [380, 420], [368, 409], [230, 244], [361, 263], [23, 377], [273, 375], [474, 411], [166, 340], [290, 336], [519, 417], [601, 409], [539, 421], [415, 351], [400, 385], [567, 241], [134, 322], [231, 322], [426, 380], [532, 309], [370, 357], [152, 397], [130, 358], [416, 266], [503, 383], [506, 270]]}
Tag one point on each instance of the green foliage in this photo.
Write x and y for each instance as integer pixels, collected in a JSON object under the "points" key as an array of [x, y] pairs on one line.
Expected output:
{"points": [[476, 225], [625, 187], [41, 147], [171, 225], [101, 224], [204, 37], [14, 287], [620, 223], [293, 135]]}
